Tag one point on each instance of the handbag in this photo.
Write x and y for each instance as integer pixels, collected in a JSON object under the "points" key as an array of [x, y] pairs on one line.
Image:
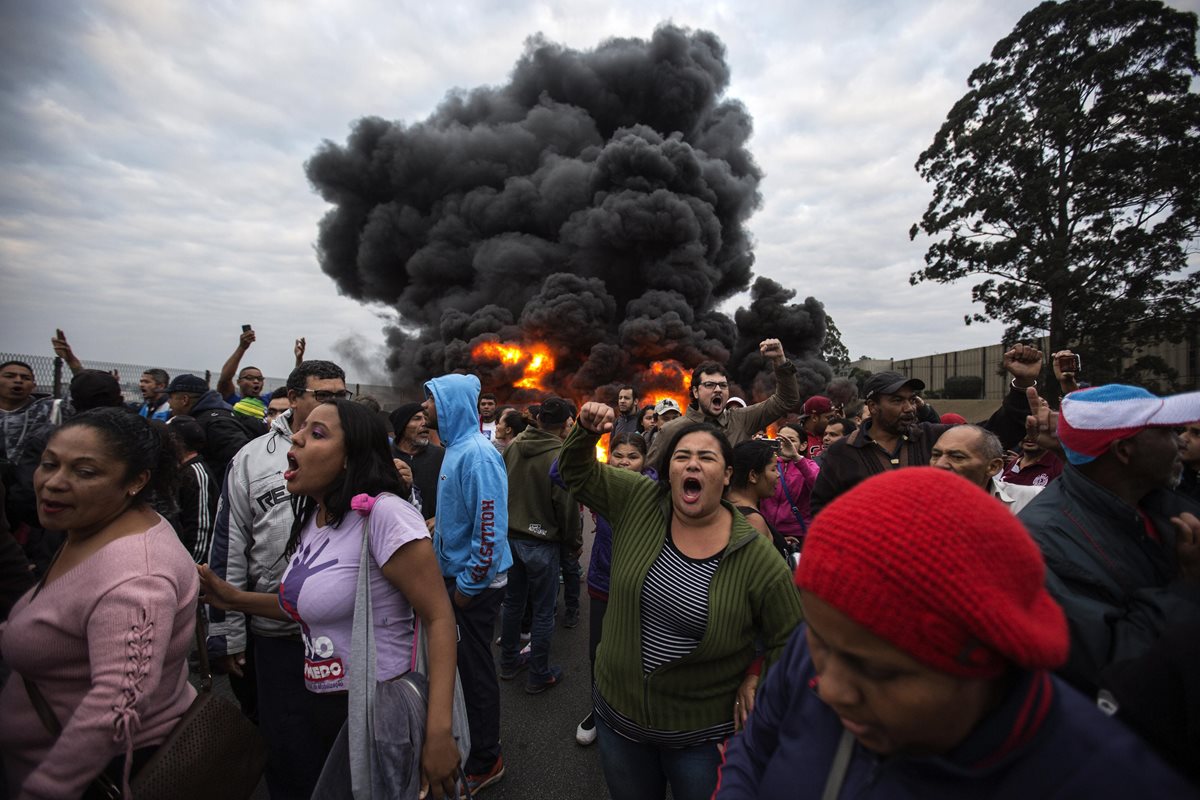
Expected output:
{"points": [[378, 751], [213, 751]]}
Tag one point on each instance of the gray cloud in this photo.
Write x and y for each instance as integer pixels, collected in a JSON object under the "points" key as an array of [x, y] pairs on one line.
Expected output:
{"points": [[153, 195]]}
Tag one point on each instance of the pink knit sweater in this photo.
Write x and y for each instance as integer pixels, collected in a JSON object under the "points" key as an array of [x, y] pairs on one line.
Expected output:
{"points": [[107, 644]]}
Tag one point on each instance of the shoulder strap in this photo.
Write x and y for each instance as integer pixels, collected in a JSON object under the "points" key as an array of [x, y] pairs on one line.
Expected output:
{"points": [[837, 770], [206, 678], [42, 707], [792, 502], [361, 720]]}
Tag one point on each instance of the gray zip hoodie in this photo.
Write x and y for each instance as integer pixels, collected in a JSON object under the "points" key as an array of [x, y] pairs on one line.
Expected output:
{"points": [[254, 521]]}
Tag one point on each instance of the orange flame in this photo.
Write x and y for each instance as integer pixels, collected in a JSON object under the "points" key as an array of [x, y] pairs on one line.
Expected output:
{"points": [[536, 361], [662, 380]]}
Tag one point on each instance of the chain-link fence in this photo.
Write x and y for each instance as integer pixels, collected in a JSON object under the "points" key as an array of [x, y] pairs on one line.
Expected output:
{"points": [[53, 377]]}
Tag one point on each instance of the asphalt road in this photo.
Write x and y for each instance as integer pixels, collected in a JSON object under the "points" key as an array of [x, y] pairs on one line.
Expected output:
{"points": [[542, 759]]}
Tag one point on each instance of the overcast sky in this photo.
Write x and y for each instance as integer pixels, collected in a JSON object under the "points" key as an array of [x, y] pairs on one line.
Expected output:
{"points": [[153, 198]]}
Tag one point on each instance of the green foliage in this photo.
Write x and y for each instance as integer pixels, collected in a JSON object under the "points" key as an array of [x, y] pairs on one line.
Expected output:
{"points": [[860, 376], [833, 352], [963, 387], [1068, 179]]}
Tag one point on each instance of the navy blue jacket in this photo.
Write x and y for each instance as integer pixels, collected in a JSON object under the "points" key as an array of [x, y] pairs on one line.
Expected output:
{"points": [[1068, 750]]}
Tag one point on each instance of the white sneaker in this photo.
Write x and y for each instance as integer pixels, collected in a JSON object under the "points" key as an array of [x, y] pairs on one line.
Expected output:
{"points": [[585, 734]]}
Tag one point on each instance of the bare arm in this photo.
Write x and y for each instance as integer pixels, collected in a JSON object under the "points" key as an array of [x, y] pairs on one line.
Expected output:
{"points": [[413, 569], [225, 385], [759, 523], [221, 594], [63, 350]]}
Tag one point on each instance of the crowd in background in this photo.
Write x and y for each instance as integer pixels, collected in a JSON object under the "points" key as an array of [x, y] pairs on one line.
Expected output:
{"points": [[786, 597]]}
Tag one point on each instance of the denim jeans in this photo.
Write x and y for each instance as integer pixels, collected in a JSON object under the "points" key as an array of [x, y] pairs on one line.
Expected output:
{"points": [[638, 771], [534, 574], [572, 579]]}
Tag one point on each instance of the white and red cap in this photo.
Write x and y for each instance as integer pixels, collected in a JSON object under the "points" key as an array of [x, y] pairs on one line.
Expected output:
{"points": [[1092, 419]]}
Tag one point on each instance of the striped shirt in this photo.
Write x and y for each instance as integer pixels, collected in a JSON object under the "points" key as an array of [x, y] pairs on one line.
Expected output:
{"points": [[674, 603]]}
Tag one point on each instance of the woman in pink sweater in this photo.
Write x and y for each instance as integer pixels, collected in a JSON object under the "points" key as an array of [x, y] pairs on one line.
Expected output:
{"points": [[104, 637]]}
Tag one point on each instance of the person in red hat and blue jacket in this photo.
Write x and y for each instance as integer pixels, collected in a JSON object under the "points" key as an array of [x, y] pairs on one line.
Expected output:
{"points": [[923, 668]]}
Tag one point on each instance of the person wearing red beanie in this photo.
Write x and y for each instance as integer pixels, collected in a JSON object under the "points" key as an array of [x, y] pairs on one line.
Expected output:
{"points": [[923, 666]]}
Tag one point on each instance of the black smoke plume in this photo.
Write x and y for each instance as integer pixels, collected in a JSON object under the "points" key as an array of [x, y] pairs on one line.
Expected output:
{"points": [[595, 203]]}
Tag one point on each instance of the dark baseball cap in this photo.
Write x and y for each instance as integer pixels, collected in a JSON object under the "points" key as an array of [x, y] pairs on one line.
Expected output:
{"points": [[187, 383], [555, 411], [890, 383]]}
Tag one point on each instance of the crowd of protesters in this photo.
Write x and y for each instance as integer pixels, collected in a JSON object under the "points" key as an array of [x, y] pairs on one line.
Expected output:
{"points": [[788, 598]]}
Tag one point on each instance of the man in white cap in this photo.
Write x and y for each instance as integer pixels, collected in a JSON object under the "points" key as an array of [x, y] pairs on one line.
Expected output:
{"points": [[667, 410], [1122, 549]]}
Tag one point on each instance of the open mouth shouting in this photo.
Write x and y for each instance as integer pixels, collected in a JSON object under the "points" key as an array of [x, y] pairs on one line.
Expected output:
{"points": [[692, 491], [698, 474], [293, 468]]}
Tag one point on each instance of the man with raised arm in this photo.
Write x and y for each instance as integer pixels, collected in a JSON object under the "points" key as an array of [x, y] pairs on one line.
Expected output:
{"points": [[710, 390], [892, 437]]}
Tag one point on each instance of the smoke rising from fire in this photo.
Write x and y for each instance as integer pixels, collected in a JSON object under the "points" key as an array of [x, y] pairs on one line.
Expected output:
{"points": [[595, 205]]}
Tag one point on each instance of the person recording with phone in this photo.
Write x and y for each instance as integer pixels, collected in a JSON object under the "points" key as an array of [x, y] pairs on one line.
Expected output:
{"points": [[788, 509]]}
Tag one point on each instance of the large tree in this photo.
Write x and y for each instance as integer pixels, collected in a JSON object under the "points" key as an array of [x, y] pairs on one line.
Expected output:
{"points": [[833, 350], [1068, 178]]}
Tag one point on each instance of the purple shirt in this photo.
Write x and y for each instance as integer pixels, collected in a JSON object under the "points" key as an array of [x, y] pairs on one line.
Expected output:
{"points": [[319, 585]]}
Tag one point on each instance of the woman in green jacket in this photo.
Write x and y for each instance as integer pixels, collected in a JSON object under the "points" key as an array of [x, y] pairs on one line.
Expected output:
{"points": [[693, 588]]}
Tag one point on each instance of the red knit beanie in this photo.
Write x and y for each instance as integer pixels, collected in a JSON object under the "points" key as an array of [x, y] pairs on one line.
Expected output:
{"points": [[928, 561]]}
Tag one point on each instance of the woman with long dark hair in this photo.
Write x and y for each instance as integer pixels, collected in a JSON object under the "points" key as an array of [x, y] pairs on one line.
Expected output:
{"points": [[692, 587], [755, 478], [101, 643], [646, 417], [789, 509], [339, 466]]}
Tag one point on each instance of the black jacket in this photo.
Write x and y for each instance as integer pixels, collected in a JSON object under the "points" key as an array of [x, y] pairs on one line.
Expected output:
{"points": [[197, 495], [224, 434], [426, 467], [1119, 588], [854, 458]]}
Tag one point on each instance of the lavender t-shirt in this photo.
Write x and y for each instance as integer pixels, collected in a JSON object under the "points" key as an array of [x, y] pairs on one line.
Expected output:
{"points": [[319, 585]]}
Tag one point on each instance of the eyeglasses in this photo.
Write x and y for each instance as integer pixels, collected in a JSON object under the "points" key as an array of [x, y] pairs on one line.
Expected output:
{"points": [[710, 385], [323, 396]]}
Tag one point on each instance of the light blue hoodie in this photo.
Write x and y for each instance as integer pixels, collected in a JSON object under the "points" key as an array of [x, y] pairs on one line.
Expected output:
{"points": [[471, 536]]}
